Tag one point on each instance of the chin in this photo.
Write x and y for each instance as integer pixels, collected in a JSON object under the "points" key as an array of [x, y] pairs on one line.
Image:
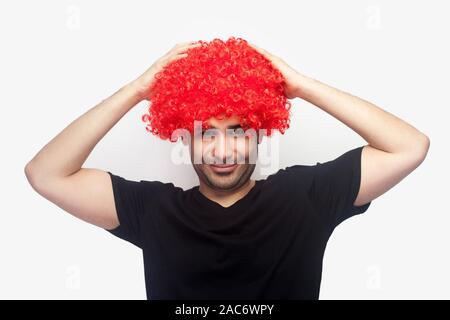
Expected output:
{"points": [[224, 179], [227, 178]]}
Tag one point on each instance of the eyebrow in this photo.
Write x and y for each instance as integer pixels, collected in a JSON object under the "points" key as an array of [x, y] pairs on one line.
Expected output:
{"points": [[233, 126]]}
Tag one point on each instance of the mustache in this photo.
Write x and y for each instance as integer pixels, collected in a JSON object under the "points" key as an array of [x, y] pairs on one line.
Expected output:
{"points": [[227, 161]]}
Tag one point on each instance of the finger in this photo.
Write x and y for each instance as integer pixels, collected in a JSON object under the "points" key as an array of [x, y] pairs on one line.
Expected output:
{"points": [[182, 44], [188, 46], [175, 52], [177, 56], [260, 50], [182, 49], [187, 42], [265, 53], [178, 45], [178, 48]]}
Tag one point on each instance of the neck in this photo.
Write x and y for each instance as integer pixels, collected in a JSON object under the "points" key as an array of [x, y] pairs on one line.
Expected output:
{"points": [[226, 198]]}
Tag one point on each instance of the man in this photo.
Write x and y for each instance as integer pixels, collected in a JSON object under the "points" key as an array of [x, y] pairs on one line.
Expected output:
{"points": [[230, 237]]}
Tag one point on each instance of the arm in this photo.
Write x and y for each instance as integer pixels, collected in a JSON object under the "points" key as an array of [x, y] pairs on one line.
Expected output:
{"points": [[395, 148], [55, 171]]}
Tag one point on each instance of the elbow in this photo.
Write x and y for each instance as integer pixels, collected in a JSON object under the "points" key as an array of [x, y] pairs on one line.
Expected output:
{"points": [[421, 149], [30, 175], [426, 145], [27, 170]]}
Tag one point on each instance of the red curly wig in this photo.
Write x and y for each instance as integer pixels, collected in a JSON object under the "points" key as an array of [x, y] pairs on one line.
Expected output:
{"points": [[218, 79]]}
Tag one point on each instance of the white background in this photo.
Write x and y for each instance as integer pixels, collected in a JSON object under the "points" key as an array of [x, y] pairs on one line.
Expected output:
{"points": [[60, 58]]}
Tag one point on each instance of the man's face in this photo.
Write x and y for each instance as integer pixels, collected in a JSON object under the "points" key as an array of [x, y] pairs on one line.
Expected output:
{"points": [[227, 156]]}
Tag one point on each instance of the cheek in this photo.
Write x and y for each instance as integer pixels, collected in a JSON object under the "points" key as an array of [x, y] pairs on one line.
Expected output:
{"points": [[207, 149], [201, 147], [242, 148], [245, 146]]}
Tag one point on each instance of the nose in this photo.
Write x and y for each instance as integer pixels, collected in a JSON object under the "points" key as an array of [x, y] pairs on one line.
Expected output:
{"points": [[223, 151]]}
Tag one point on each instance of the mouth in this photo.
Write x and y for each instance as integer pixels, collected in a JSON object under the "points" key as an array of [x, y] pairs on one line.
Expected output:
{"points": [[223, 168]]}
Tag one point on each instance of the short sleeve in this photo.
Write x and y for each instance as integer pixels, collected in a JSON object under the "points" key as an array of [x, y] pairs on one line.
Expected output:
{"points": [[335, 186], [129, 202]]}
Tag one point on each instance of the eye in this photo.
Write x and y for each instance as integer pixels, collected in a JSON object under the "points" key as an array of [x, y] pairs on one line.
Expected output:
{"points": [[239, 132], [208, 133]]}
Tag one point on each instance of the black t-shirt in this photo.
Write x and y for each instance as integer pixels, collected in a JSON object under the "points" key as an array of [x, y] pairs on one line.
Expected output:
{"points": [[267, 245]]}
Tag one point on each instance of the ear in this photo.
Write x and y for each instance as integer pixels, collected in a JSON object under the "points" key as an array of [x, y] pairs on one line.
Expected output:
{"points": [[182, 134], [185, 140]]}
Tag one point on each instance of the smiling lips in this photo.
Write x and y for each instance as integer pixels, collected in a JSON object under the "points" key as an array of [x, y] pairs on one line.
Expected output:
{"points": [[223, 168]]}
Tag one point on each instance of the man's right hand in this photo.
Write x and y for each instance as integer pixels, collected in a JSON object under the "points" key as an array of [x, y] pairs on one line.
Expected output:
{"points": [[144, 81]]}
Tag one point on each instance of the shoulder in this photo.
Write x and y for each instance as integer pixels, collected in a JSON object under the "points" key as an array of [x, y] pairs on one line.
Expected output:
{"points": [[157, 187], [293, 173], [163, 193], [293, 178]]}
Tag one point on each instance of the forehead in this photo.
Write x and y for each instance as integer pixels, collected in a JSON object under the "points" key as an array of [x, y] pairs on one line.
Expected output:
{"points": [[223, 121]]}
